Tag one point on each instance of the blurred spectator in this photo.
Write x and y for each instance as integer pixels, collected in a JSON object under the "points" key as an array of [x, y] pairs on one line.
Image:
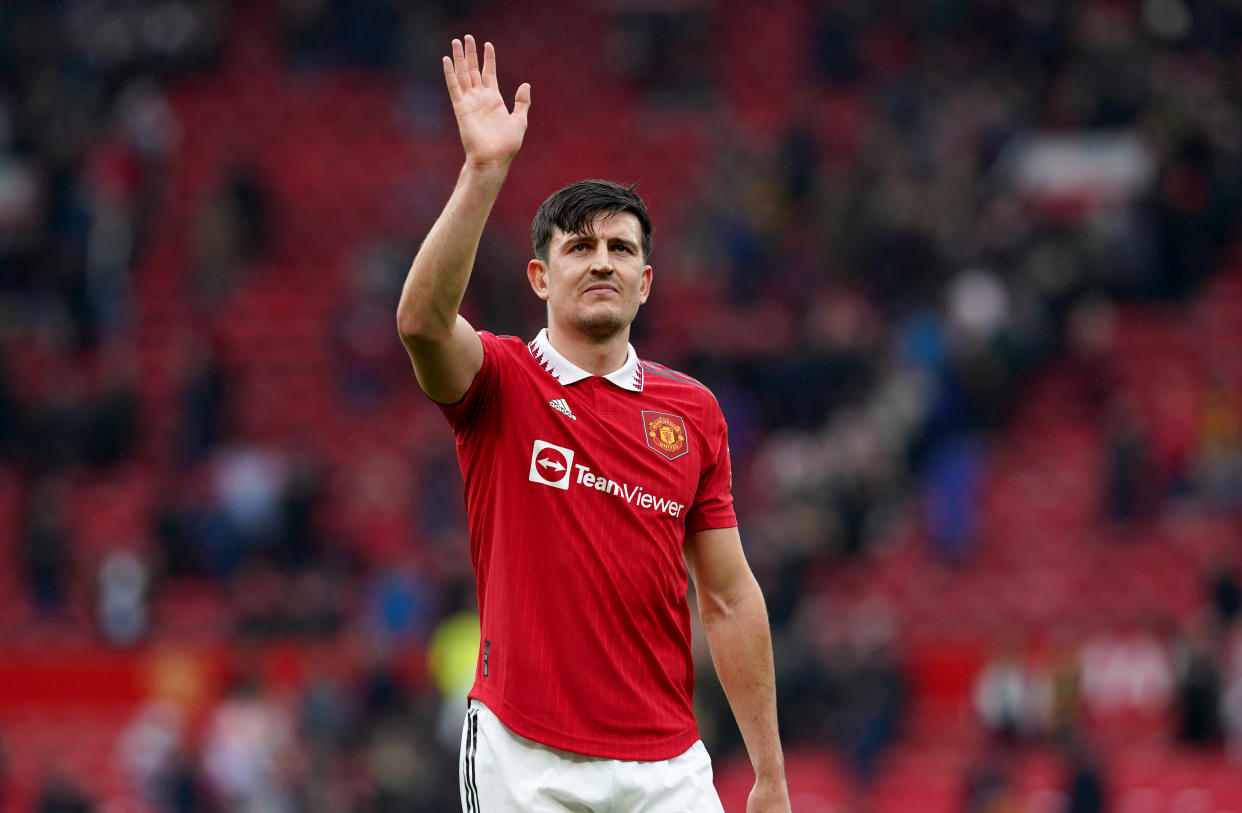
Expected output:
{"points": [[112, 194], [370, 365], [121, 604], [10, 415], [1224, 594], [314, 606], [402, 602], [382, 693], [306, 29], [57, 422], [1011, 700], [203, 398], [325, 714], [60, 794], [112, 430], [195, 515], [230, 232], [149, 749], [1090, 356], [45, 545], [1217, 468], [1125, 673], [977, 306], [452, 656], [257, 597], [1128, 487], [184, 790], [1062, 674], [1231, 697], [848, 689], [178, 553], [327, 727], [247, 484], [1199, 690], [990, 786], [331, 33], [953, 471], [1086, 790], [375, 500], [873, 691], [249, 751], [651, 47], [300, 543], [406, 775]]}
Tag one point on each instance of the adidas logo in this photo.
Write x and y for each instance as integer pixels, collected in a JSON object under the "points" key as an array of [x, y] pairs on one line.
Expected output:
{"points": [[562, 407]]}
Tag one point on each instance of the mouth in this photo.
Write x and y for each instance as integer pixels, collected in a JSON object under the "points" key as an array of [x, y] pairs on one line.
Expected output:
{"points": [[601, 290]]}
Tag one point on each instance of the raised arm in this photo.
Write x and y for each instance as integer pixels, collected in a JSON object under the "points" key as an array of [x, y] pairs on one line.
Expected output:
{"points": [[735, 619], [443, 347]]}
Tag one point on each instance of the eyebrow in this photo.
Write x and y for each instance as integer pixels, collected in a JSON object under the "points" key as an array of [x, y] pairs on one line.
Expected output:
{"points": [[573, 238]]}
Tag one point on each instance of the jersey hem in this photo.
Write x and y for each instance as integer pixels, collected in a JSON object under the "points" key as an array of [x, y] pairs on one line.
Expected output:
{"points": [[651, 752]]}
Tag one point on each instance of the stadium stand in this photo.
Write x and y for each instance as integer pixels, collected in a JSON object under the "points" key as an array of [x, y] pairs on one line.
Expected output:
{"points": [[981, 430]]}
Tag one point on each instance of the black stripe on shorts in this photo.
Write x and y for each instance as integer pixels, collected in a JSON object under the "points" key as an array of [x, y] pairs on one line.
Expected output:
{"points": [[472, 747]]}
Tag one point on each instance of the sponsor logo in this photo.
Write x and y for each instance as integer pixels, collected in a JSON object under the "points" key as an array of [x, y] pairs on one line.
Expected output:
{"points": [[550, 465], [561, 406], [634, 495], [553, 465], [665, 433]]}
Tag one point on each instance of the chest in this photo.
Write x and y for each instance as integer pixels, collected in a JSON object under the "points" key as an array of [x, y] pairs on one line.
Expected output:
{"points": [[619, 449]]}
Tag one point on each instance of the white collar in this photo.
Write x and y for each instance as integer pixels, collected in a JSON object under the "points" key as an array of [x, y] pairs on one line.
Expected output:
{"points": [[628, 376]]}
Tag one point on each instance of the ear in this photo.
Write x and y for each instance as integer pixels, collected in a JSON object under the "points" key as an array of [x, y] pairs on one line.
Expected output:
{"points": [[644, 290], [537, 273]]}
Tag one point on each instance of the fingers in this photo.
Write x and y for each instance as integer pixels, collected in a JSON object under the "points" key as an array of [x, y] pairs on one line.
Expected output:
{"points": [[521, 101], [459, 66], [472, 63], [489, 65], [450, 79], [463, 73]]}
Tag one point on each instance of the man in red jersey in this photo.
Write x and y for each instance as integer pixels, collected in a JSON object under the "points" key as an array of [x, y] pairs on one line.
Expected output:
{"points": [[594, 481]]}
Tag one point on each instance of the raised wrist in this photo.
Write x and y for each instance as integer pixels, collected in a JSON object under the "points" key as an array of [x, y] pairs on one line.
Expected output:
{"points": [[495, 167]]}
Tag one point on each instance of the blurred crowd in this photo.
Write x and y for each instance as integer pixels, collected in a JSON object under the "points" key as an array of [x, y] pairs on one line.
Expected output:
{"points": [[875, 278]]}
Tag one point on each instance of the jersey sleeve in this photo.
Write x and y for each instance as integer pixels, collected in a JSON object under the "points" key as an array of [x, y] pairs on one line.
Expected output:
{"points": [[471, 410], [713, 503]]}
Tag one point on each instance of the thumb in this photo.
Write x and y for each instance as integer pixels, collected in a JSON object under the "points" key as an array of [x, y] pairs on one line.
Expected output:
{"points": [[521, 101]]}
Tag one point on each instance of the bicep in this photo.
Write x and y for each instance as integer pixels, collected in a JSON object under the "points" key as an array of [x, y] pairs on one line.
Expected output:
{"points": [[445, 369], [718, 566]]}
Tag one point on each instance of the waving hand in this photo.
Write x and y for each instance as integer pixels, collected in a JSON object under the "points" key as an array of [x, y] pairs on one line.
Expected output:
{"points": [[489, 132]]}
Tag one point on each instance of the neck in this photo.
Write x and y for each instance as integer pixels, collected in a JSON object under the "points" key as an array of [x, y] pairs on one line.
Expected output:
{"points": [[596, 356]]}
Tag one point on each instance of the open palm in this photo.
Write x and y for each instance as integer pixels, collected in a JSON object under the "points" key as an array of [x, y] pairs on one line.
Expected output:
{"points": [[489, 132]]}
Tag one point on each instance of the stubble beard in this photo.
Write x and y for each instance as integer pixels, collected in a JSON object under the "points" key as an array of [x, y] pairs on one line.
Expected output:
{"points": [[600, 326]]}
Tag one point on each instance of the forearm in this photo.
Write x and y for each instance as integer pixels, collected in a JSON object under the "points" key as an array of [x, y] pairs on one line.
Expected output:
{"points": [[741, 646], [438, 277]]}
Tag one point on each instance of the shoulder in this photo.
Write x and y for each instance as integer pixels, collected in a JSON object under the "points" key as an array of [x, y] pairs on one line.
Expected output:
{"points": [[686, 397], [503, 346], [502, 340], [676, 383]]}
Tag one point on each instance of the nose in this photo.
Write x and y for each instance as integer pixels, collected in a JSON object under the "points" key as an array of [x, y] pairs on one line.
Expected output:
{"points": [[601, 260]]}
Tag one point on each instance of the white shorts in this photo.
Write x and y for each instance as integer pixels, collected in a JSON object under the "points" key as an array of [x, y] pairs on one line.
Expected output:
{"points": [[501, 771]]}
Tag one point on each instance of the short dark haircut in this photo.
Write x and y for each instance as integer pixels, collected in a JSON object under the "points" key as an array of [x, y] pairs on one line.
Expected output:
{"points": [[573, 210]]}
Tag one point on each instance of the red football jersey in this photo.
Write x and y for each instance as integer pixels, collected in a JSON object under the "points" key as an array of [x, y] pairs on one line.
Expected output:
{"points": [[580, 491]]}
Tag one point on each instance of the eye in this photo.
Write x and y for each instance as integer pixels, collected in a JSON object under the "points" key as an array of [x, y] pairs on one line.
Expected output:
{"points": [[580, 247], [623, 247]]}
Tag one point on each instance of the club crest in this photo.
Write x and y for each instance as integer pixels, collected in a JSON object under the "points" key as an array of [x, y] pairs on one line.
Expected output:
{"points": [[666, 434]]}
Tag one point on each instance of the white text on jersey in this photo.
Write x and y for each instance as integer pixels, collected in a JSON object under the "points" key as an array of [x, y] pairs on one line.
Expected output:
{"points": [[632, 495]]}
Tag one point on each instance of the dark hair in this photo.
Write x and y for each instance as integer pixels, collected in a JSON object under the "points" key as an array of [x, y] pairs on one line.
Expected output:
{"points": [[573, 210]]}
